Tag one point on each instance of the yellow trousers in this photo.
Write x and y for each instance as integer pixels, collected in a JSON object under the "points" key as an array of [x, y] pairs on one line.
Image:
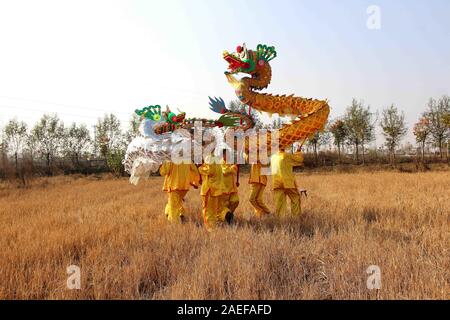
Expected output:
{"points": [[211, 209], [256, 199], [280, 201], [174, 207], [228, 203]]}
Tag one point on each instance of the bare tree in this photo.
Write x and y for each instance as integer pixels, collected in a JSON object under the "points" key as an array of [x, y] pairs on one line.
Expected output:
{"points": [[15, 134], [435, 114], [360, 128], [3, 150], [49, 133], [108, 134], [422, 131], [133, 129], [318, 139], [76, 140], [446, 119], [394, 129], [31, 145], [339, 131], [112, 143]]}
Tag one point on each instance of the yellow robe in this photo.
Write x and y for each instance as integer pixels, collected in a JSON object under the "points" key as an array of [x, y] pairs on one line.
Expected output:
{"points": [[257, 183], [211, 191], [283, 181], [177, 180], [230, 197]]}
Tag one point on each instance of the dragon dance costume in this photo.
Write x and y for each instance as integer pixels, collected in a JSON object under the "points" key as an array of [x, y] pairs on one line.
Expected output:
{"points": [[178, 178], [230, 197], [160, 135], [283, 181], [258, 184], [212, 191]]}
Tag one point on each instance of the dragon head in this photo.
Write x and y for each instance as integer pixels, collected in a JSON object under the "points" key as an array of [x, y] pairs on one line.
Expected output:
{"points": [[249, 61], [171, 117], [150, 117]]}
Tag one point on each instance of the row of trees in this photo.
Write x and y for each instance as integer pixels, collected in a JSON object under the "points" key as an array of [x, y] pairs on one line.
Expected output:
{"points": [[356, 128], [50, 139]]}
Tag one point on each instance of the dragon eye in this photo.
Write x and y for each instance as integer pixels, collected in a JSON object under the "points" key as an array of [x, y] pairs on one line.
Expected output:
{"points": [[156, 117]]}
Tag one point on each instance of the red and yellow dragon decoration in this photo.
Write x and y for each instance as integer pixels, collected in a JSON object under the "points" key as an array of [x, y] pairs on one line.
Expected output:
{"points": [[158, 128], [310, 114]]}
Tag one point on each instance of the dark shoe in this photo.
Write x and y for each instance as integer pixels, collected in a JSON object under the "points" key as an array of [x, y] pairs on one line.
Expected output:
{"points": [[229, 217]]}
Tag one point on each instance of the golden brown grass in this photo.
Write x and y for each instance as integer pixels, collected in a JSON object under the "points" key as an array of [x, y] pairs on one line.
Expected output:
{"points": [[126, 249]]}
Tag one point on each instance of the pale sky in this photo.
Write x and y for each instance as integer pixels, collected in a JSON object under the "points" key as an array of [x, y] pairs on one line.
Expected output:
{"points": [[82, 59]]}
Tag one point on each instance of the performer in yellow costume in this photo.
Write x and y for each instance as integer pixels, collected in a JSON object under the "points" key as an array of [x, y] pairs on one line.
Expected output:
{"points": [[177, 180], [257, 183], [283, 181], [230, 197], [211, 191]]}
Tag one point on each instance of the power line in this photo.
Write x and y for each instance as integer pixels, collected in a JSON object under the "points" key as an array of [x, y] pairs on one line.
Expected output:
{"points": [[177, 92], [60, 104], [57, 112]]}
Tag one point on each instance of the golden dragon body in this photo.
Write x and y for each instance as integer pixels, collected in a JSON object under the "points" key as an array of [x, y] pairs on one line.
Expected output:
{"points": [[310, 115], [145, 153]]}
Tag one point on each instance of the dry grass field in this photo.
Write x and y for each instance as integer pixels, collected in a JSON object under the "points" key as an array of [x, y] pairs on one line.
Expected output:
{"points": [[126, 249]]}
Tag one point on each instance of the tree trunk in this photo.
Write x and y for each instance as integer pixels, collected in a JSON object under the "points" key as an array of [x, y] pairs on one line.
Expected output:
{"points": [[48, 163], [447, 151], [16, 162], [76, 160], [392, 156], [316, 159], [423, 152], [32, 162], [363, 158], [356, 152], [339, 153]]}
